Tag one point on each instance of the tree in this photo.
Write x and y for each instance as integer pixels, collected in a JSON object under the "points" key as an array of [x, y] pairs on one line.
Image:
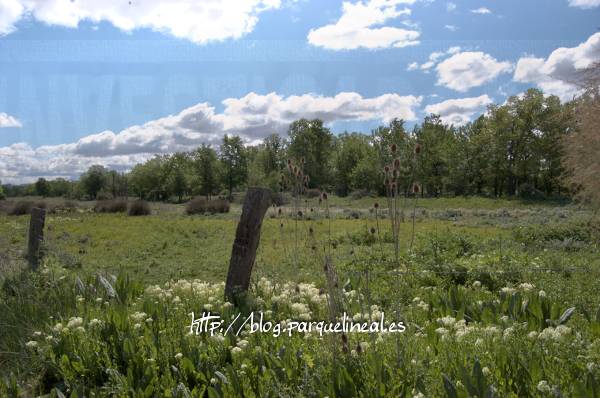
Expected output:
{"points": [[94, 180], [42, 187], [2, 194], [178, 175], [266, 162], [206, 165], [234, 163], [147, 179], [582, 146], [310, 140], [350, 151]]}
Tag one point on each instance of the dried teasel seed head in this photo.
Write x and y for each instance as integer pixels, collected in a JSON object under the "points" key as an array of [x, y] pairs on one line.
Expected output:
{"points": [[376, 205], [279, 211], [299, 213], [310, 230], [373, 230], [324, 195], [416, 188], [344, 338], [295, 169], [302, 160], [386, 169], [393, 147], [289, 161], [417, 149], [396, 163]]}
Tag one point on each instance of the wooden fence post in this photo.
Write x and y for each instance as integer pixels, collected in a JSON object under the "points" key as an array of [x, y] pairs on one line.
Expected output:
{"points": [[36, 236], [247, 237]]}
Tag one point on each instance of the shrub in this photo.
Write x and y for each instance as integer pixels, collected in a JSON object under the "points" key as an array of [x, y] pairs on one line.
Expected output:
{"points": [[139, 208], [528, 191], [280, 199], [201, 206], [313, 193], [361, 193], [104, 196], [111, 206], [23, 207]]}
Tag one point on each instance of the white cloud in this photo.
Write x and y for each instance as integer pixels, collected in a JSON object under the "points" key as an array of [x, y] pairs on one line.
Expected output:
{"points": [[434, 57], [481, 10], [585, 4], [465, 70], [450, 6], [459, 111], [252, 117], [451, 28], [559, 73], [10, 12], [361, 26], [197, 21], [9, 121]]}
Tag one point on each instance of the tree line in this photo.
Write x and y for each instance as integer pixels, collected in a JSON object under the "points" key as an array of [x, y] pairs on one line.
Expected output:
{"points": [[515, 148]]}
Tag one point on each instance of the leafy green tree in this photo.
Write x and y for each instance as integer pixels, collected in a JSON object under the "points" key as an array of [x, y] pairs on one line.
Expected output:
{"points": [[234, 165], [313, 142], [146, 179], [42, 187], [94, 180], [350, 150], [266, 162], [206, 166]]}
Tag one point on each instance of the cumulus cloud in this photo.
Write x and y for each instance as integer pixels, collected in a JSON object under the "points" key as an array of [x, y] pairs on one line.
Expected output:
{"points": [[481, 10], [557, 74], [459, 111], [465, 70], [9, 121], [252, 117], [433, 59], [585, 4], [360, 26], [451, 28], [197, 21], [450, 7]]}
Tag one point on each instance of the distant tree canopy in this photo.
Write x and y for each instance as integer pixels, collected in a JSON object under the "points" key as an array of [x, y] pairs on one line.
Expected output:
{"points": [[522, 147]]}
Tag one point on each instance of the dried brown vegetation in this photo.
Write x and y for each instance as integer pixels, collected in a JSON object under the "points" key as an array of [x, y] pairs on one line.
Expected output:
{"points": [[582, 147]]}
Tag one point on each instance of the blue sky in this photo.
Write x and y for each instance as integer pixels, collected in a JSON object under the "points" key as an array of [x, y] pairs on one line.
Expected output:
{"points": [[82, 83]]}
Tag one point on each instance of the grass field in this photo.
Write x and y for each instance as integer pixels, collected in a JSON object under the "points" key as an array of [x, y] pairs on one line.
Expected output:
{"points": [[500, 297]]}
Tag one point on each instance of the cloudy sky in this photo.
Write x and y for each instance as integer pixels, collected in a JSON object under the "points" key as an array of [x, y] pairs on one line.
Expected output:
{"points": [[112, 82]]}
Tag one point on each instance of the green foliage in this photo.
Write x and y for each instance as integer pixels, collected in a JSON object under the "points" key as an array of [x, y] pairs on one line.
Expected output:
{"points": [[202, 206], [234, 163], [94, 180], [313, 142]]}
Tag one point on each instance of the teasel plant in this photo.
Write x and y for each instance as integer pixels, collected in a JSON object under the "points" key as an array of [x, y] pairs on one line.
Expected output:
{"points": [[391, 181]]}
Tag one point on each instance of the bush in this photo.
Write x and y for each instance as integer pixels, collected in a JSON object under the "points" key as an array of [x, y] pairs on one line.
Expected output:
{"points": [[528, 191], [104, 196], [201, 206], [280, 199], [313, 193], [111, 206], [139, 208], [23, 207], [361, 193]]}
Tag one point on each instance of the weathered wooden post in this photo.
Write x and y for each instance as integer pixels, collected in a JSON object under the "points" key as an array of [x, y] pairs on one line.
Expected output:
{"points": [[36, 236], [247, 237]]}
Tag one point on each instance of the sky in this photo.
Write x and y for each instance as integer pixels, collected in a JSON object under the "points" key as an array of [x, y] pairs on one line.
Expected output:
{"points": [[85, 82]]}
